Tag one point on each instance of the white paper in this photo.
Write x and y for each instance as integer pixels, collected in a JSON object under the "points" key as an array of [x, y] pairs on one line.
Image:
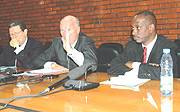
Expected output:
{"points": [[45, 71], [125, 81], [39, 72], [25, 74]]}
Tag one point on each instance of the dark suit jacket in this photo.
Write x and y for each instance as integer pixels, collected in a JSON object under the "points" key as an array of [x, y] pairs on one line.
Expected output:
{"points": [[134, 52], [26, 57], [57, 53]]}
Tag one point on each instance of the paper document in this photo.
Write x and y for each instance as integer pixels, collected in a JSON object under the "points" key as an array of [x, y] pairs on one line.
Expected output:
{"points": [[45, 71], [125, 81], [25, 74], [38, 72]]}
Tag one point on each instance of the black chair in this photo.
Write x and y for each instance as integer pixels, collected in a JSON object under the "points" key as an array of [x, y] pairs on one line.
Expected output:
{"points": [[0, 49], [116, 46], [47, 45], [105, 53], [177, 41]]}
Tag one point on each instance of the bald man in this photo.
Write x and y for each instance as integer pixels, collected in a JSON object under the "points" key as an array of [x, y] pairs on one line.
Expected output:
{"points": [[132, 62], [71, 50]]}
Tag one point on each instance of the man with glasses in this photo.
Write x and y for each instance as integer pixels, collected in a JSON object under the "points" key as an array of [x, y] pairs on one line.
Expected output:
{"points": [[22, 50]]}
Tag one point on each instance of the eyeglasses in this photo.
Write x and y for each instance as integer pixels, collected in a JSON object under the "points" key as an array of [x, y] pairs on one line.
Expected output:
{"points": [[16, 33]]}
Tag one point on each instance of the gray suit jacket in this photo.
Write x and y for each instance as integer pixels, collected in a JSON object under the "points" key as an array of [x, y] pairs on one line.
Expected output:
{"points": [[57, 53], [134, 52]]}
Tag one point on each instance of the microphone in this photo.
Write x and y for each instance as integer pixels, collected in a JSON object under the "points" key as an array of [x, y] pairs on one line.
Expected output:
{"points": [[73, 74], [79, 85]]}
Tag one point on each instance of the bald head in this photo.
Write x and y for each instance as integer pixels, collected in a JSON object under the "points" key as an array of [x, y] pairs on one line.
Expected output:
{"points": [[69, 17]]}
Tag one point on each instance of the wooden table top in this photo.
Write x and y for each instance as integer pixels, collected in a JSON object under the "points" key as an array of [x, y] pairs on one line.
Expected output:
{"points": [[101, 99]]}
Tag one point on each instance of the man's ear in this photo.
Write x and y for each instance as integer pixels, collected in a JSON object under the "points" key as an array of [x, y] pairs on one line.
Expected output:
{"points": [[78, 29], [25, 32], [151, 28]]}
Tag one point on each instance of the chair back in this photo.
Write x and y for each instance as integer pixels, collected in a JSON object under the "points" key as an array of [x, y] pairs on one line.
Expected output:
{"points": [[177, 42], [105, 53], [116, 46]]}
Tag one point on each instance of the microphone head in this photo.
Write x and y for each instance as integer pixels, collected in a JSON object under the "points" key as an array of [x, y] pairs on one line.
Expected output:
{"points": [[78, 71]]}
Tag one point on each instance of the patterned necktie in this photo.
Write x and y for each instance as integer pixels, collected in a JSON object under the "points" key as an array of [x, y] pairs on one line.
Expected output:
{"points": [[144, 55]]}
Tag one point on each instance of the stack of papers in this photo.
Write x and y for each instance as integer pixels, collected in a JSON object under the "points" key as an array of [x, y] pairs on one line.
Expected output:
{"points": [[125, 82], [46, 71], [40, 72]]}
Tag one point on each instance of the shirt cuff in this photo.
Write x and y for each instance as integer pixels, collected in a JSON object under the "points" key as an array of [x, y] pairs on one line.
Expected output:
{"points": [[77, 56], [136, 64]]}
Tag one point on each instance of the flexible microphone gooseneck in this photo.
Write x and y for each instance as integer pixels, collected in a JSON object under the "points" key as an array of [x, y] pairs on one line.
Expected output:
{"points": [[90, 67], [73, 74]]}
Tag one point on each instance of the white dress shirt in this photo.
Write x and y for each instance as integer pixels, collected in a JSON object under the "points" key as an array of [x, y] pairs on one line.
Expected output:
{"points": [[20, 48]]}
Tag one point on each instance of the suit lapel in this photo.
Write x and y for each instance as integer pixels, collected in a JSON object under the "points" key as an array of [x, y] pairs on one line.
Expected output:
{"points": [[140, 52], [153, 51]]}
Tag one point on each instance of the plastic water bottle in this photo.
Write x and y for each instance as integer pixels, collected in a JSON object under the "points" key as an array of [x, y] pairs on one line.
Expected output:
{"points": [[166, 80], [166, 103], [166, 76]]}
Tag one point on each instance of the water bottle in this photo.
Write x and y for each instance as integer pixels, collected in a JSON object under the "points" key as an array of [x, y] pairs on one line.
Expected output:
{"points": [[166, 80], [166, 103], [166, 76]]}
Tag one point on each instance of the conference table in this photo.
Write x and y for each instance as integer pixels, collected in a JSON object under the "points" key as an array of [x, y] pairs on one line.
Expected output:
{"points": [[101, 99]]}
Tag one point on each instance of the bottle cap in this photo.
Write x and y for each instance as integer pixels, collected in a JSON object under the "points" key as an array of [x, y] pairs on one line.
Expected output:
{"points": [[166, 50]]}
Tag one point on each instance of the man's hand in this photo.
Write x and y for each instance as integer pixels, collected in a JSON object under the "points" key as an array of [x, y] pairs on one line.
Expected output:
{"points": [[14, 43], [59, 67], [67, 46], [129, 64], [66, 42]]}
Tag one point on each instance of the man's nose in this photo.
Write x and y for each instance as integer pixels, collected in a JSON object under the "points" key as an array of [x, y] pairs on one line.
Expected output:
{"points": [[134, 32], [13, 36], [64, 33]]}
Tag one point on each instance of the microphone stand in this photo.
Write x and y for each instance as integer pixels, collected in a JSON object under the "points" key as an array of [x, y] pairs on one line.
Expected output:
{"points": [[79, 85]]}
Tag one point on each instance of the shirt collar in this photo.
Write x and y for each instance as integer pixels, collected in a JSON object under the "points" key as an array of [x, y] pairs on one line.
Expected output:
{"points": [[151, 44], [24, 44]]}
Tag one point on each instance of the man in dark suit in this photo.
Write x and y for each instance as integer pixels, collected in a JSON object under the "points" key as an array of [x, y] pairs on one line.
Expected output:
{"points": [[71, 50], [145, 35], [21, 50]]}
